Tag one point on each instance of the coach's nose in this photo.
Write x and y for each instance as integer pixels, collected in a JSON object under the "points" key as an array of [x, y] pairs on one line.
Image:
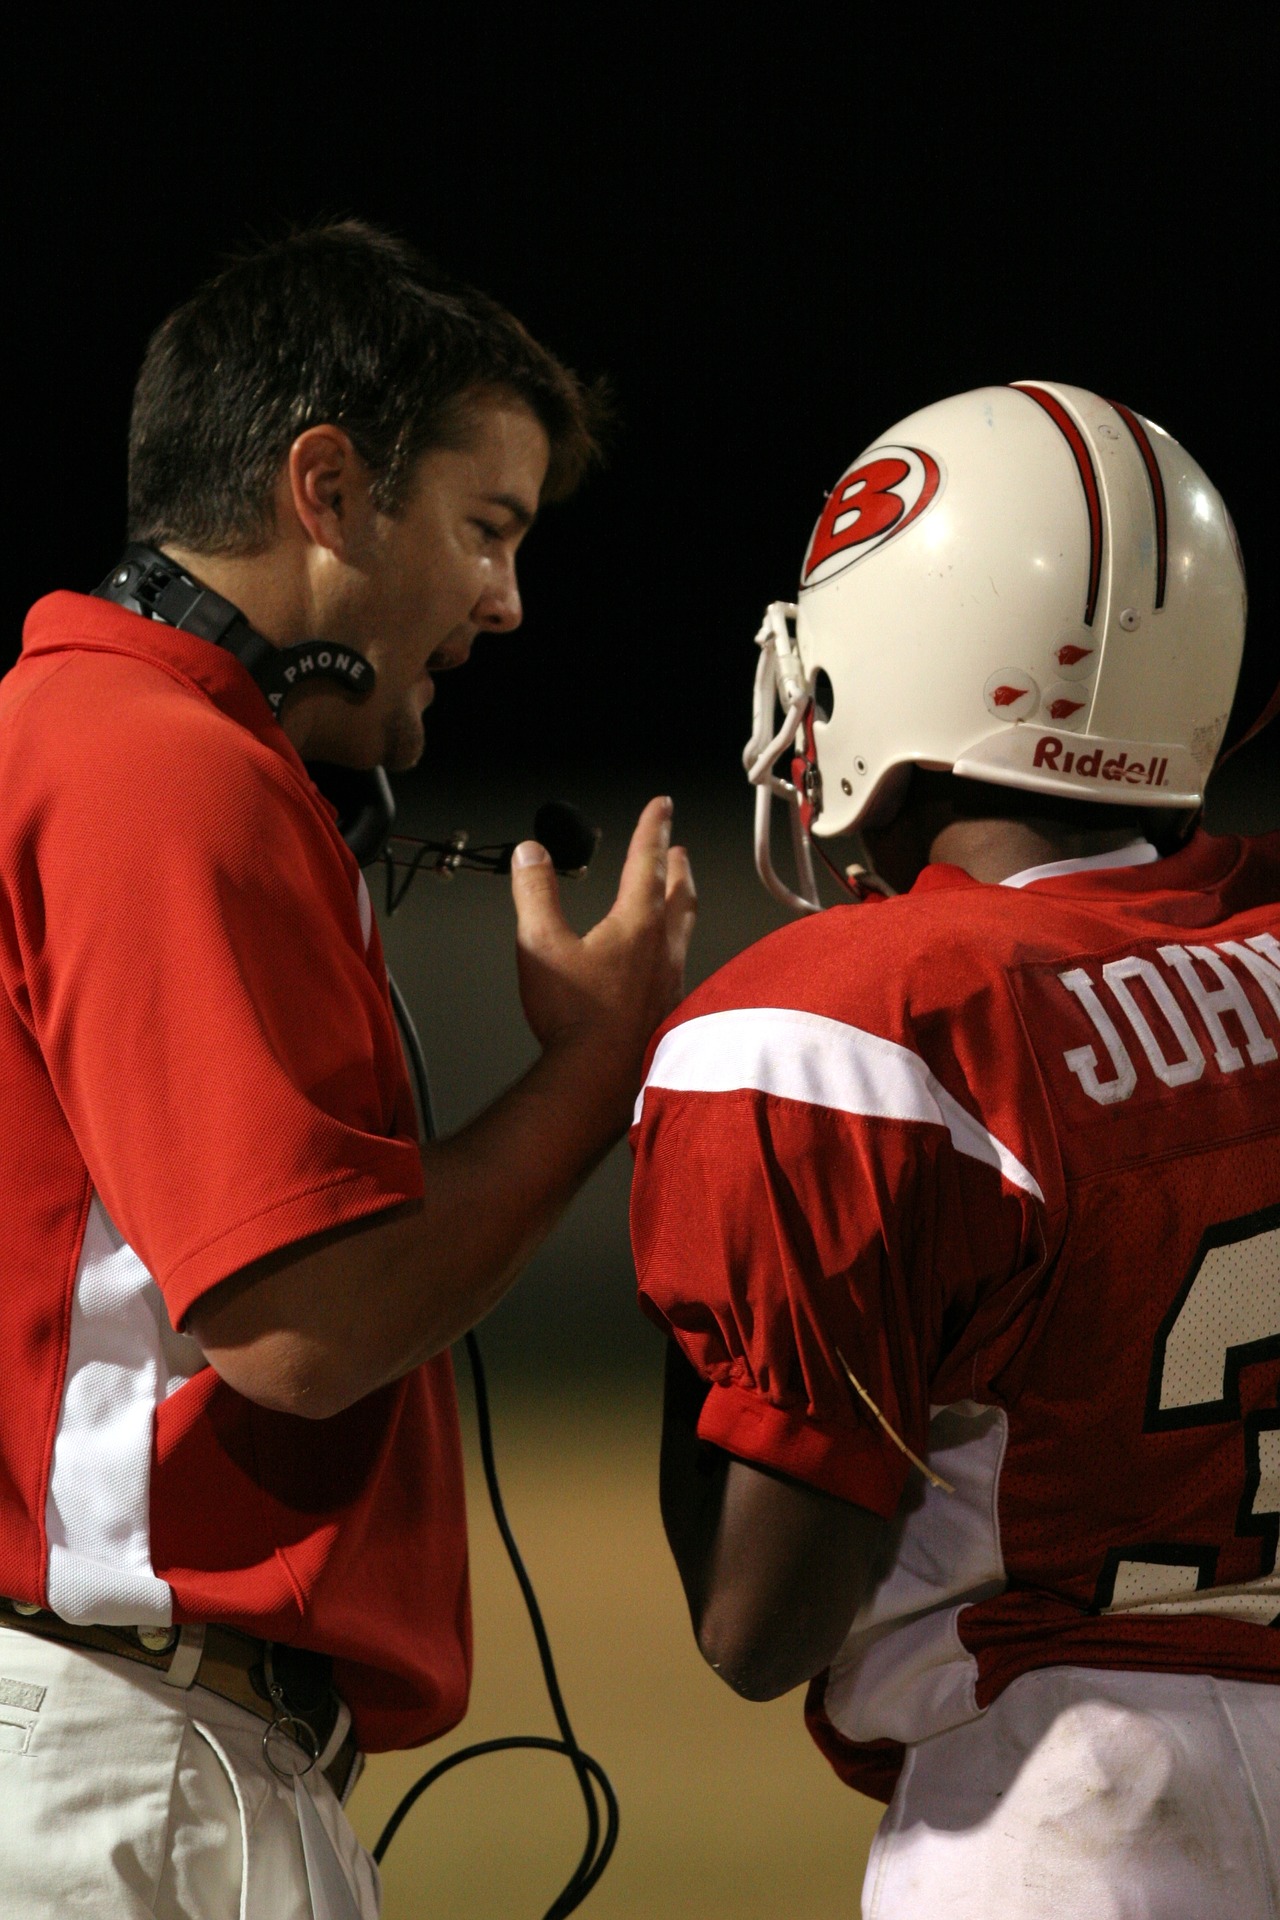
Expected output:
{"points": [[499, 608]]}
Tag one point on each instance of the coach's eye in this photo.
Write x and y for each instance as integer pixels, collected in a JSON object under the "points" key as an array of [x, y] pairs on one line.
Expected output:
{"points": [[488, 529]]}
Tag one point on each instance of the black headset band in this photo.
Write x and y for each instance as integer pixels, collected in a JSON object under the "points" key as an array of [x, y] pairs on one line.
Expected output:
{"points": [[148, 582]]}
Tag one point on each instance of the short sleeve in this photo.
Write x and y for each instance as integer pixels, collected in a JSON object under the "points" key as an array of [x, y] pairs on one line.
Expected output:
{"points": [[197, 976], [785, 1243]]}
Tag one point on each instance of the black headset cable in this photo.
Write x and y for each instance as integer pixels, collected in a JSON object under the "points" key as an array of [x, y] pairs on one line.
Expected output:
{"points": [[590, 1774]]}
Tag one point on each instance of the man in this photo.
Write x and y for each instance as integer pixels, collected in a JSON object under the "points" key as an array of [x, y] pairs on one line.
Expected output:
{"points": [[232, 1539], [961, 1208]]}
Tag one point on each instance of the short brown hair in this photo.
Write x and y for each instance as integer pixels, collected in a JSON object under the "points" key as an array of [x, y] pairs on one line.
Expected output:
{"points": [[339, 324]]}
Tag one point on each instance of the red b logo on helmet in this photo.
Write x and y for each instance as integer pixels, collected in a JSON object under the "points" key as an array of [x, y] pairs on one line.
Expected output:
{"points": [[880, 497]]}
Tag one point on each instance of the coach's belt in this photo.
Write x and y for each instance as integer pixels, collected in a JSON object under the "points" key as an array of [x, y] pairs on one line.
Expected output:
{"points": [[290, 1688]]}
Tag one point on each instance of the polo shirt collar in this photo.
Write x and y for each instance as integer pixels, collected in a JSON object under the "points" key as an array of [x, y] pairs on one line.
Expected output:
{"points": [[77, 622]]}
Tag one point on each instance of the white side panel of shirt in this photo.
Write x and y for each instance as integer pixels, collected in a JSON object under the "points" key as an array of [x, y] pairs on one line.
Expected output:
{"points": [[123, 1359], [365, 906]]}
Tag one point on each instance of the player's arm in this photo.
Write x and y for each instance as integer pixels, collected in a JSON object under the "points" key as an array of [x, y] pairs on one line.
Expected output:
{"points": [[317, 1326], [773, 1570]]}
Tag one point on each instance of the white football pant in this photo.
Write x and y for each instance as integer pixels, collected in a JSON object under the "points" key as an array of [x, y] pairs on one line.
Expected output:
{"points": [[1087, 1795]]}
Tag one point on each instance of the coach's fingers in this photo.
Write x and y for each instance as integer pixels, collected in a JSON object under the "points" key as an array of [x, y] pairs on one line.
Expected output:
{"points": [[535, 889], [681, 885], [642, 888], [681, 904]]}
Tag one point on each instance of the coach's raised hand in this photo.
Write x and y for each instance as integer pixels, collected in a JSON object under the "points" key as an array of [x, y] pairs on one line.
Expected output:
{"points": [[604, 993], [316, 1327]]}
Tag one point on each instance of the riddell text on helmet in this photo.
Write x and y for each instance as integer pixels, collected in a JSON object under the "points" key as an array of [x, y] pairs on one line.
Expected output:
{"points": [[1059, 758]]}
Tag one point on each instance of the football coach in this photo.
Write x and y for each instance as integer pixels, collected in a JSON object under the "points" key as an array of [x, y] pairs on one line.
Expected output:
{"points": [[231, 1508]]}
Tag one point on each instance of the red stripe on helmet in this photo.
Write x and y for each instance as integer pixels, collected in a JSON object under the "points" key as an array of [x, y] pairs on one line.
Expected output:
{"points": [[1088, 479], [1156, 479]]}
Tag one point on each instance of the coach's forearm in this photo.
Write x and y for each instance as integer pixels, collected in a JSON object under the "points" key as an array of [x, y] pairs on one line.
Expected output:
{"points": [[316, 1327]]}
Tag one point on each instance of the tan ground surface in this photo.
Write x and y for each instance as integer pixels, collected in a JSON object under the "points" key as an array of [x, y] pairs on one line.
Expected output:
{"points": [[728, 1811]]}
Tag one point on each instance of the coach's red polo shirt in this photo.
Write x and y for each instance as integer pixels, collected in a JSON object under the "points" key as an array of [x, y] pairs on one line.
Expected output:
{"points": [[198, 1065]]}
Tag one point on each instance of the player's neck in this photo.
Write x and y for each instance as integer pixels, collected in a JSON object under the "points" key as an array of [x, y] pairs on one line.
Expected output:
{"points": [[993, 850]]}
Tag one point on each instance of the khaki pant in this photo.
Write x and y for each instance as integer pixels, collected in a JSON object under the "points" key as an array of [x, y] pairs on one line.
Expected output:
{"points": [[122, 1797]]}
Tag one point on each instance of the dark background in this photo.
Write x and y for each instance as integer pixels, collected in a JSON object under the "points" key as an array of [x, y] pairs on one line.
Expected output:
{"points": [[776, 241]]}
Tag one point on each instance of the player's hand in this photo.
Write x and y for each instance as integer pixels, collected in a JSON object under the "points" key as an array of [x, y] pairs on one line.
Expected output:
{"points": [[610, 988]]}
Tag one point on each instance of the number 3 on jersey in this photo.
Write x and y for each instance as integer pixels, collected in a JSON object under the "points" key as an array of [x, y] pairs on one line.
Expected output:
{"points": [[1226, 1316]]}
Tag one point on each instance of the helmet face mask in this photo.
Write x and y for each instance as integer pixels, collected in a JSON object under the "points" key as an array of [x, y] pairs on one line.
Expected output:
{"points": [[781, 682], [1026, 585]]}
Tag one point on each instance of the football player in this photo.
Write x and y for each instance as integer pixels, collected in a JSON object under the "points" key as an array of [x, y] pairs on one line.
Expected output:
{"points": [[960, 1202]]}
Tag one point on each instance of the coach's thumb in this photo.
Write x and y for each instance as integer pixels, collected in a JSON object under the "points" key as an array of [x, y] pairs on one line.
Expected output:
{"points": [[536, 892]]}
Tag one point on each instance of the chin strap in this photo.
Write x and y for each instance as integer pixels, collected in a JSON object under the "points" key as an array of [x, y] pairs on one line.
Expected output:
{"points": [[146, 581]]}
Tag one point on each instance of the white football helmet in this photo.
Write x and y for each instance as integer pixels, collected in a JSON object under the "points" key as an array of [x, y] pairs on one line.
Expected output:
{"points": [[1026, 585]]}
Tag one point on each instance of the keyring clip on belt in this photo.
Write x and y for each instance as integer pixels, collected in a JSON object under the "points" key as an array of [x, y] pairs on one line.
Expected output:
{"points": [[286, 1726]]}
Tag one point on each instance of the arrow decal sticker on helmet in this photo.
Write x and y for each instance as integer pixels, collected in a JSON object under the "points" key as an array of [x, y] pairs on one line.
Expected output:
{"points": [[1011, 695], [1159, 507], [1088, 479]]}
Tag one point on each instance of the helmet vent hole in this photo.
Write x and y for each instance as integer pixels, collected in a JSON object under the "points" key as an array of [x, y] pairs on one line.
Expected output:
{"points": [[824, 695]]}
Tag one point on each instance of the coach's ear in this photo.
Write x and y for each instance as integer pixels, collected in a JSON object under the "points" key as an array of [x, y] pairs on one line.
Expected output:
{"points": [[324, 493]]}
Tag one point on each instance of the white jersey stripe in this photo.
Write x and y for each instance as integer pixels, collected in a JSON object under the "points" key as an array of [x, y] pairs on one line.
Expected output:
{"points": [[823, 1063], [123, 1359]]}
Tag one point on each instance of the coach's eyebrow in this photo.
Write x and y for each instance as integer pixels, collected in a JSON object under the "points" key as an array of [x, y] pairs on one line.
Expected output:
{"points": [[523, 516]]}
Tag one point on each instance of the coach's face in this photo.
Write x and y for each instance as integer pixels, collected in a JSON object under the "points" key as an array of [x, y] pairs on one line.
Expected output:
{"points": [[412, 589]]}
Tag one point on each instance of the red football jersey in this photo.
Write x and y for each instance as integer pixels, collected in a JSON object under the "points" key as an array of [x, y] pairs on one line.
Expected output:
{"points": [[199, 1065], [1011, 1156]]}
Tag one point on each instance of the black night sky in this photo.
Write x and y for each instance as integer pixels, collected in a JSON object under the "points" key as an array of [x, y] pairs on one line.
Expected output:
{"points": [[776, 239]]}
